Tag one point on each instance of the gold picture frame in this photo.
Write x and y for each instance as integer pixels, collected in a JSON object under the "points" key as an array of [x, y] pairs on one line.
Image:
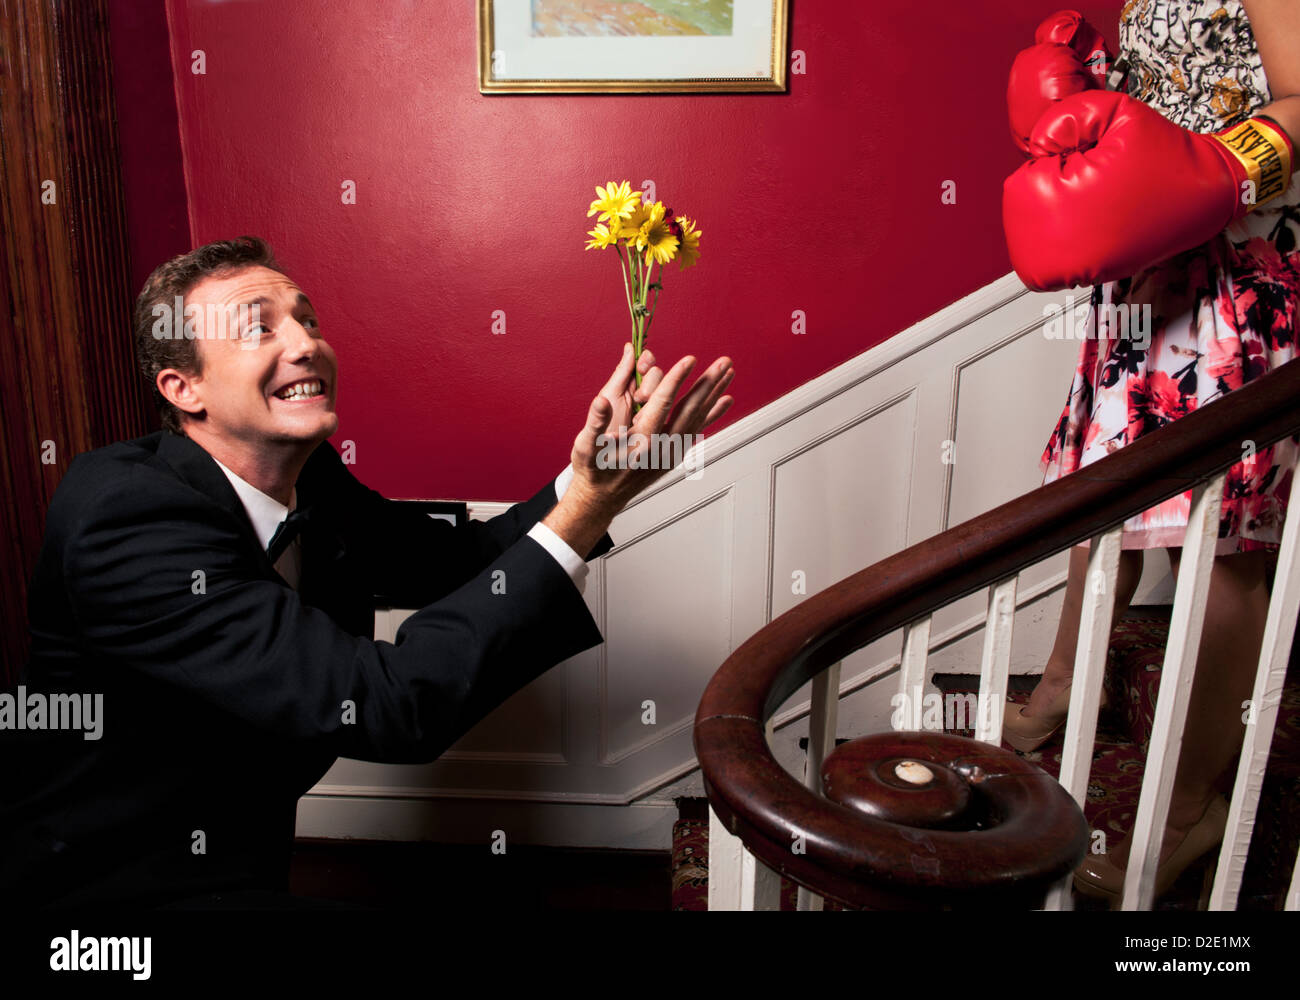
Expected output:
{"points": [[522, 62]]}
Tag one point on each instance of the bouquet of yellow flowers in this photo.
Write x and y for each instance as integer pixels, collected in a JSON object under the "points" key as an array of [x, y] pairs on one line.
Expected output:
{"points": [[643, 235]]}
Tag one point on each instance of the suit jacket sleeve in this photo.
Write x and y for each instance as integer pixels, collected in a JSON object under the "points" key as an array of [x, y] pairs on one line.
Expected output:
{"points": [[160, 581], [415, 559]]}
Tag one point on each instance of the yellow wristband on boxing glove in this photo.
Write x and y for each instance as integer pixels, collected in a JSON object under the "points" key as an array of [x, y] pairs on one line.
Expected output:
{"points": [[1263, 152]]}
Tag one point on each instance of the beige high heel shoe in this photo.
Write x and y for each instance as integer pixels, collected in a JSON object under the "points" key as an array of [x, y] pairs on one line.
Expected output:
{"points": [[1027, 733], [1101, 878]]}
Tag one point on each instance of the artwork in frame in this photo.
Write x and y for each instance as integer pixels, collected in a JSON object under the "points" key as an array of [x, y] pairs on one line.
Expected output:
{"points": [[631, 46], [455, 512]]}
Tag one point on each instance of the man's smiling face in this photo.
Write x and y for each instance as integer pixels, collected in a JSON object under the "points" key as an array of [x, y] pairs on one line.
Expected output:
{"points": [[268, 377]]}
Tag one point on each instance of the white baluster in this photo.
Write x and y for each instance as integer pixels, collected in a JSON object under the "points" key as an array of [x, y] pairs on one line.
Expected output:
{"points": [[821, 741], [725, 853], [996, 661], [760, 887], [737, 879], [1185, 625], [911, 668], [1279, 632], [1089, 672]]}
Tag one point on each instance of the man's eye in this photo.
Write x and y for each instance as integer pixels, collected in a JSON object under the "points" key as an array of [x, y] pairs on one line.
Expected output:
{"points": [[257, 331], [311, 323]]}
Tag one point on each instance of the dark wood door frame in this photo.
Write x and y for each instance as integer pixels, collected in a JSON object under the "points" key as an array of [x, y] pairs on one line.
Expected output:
{"points": [[67, 370]]}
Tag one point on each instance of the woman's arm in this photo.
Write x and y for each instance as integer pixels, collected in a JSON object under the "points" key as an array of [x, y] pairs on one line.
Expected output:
{"points": [[1276, 26]]}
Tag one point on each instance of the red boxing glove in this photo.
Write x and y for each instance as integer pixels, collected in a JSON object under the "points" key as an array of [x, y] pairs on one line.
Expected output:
{"points": [[1114, 187], [1069, 57]]}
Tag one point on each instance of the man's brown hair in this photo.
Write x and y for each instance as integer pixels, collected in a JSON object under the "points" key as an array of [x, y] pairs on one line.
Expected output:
{"points": [[177, 278]]}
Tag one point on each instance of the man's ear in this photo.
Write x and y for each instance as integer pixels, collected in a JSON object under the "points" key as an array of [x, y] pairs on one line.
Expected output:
{"points": [[178, 389]]}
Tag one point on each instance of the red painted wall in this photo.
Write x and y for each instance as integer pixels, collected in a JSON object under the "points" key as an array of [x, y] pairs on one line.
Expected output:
{"points": [[153, 181], [825, 199]]}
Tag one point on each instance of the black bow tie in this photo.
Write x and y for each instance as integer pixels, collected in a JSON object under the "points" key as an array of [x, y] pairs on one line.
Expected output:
{"points": [[287, 531]]}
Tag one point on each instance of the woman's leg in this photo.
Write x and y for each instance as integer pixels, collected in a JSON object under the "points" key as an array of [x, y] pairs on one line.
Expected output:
{"points": [[1059, 672], [1225, 677]]}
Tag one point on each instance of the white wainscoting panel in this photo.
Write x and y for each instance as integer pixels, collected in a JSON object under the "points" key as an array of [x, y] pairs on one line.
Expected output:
{"points": [[668, 607]]}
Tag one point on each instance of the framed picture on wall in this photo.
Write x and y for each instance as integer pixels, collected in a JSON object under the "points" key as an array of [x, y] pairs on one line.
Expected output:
{"points": [[454, 512], [631, 46]]}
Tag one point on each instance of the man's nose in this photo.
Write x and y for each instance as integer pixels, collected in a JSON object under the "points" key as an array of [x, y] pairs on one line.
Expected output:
{"points": [[300, 345]]}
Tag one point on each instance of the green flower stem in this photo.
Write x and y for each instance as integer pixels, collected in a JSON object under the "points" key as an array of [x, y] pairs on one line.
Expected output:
{"points": [[638, 319], [650, 312], [637, 274], [632, 292], [625, 267], [626, 290]]}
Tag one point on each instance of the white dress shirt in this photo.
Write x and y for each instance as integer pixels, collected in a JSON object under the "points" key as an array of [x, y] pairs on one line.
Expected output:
{"points": [[265, 514]]}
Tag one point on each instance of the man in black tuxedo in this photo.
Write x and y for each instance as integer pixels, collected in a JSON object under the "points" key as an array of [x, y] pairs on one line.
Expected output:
{"points": [[214, 583]]}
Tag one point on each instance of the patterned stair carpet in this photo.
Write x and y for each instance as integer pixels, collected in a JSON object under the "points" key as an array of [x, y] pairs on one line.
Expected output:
{"points": [[1123, 732]]}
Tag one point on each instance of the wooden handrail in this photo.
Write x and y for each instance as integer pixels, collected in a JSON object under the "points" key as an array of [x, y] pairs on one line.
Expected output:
{"points": [[843, 849]]}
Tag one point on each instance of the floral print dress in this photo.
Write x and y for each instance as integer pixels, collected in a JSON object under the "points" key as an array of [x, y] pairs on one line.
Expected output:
{"points": [[1219, 315]]}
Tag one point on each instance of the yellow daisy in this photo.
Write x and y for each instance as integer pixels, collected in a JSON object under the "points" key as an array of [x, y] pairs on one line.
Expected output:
{"points": [[690, 248], [655, 236], [632, 224], [603, 236], [614, 201]]}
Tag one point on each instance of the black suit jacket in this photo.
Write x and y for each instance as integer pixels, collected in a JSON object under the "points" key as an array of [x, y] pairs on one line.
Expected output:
{"points": [[227, 694]]}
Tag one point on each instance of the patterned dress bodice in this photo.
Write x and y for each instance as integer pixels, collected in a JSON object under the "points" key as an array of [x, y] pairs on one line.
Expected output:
{"points": [[1196, 63]]}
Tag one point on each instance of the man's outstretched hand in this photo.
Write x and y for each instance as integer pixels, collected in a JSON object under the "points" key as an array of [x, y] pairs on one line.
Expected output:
{"points": [[615, 437]]}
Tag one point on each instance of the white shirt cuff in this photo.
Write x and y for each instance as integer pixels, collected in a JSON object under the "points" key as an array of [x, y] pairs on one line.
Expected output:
{"points": [[569, 561], [562, 481]]}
